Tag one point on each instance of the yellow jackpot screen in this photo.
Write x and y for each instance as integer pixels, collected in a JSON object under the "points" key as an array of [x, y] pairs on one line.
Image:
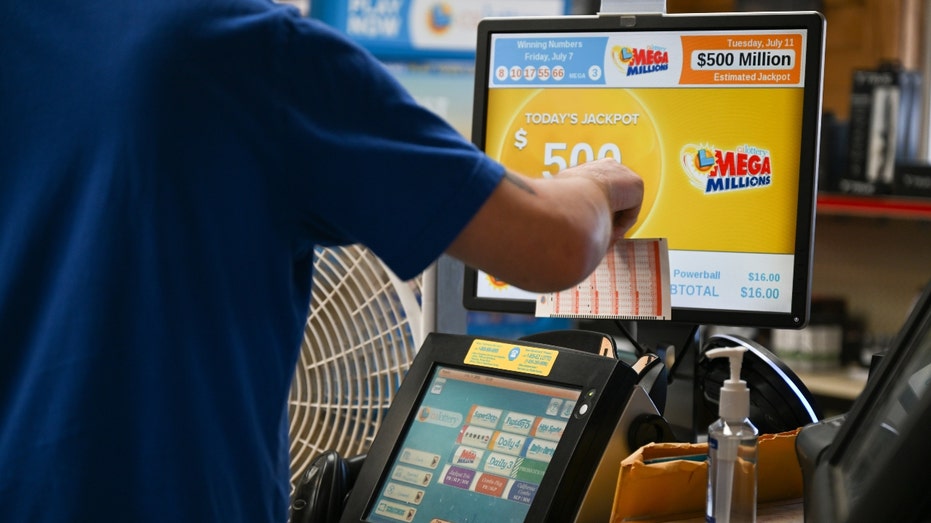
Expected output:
{"points": [[710, 119]]}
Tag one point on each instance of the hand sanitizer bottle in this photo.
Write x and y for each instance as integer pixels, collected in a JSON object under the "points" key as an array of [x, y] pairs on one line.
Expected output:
{"points": [[732, 450]]}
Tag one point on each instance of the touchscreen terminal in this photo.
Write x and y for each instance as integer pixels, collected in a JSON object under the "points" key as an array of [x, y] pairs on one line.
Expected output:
{"points": [[492, 431], [888, 418], [881, 453], [872, 463]]}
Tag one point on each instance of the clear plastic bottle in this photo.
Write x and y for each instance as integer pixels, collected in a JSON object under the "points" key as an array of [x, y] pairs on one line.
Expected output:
{"points": [[732, 450]]}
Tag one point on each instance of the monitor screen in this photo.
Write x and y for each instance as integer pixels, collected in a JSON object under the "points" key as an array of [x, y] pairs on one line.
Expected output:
{"points": [[719, 114], [478, 446], [490, 431]]}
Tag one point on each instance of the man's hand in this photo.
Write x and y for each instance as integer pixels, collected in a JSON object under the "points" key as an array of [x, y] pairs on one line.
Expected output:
{"points": [[548, 234], [622, 187]]}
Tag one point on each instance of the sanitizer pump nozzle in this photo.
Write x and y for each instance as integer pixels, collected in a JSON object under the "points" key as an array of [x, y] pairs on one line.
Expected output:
{"points": [[732, 449], [734, 406]]}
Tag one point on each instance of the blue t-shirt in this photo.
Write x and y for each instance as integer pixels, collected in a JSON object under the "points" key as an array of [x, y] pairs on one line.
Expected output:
{"points": [[166, 169]]}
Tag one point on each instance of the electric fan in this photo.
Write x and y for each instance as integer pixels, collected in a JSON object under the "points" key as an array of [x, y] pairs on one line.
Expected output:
{"points": [[364, 328]]}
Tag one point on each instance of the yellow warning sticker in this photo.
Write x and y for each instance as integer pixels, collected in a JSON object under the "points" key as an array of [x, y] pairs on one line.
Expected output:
{"points": [[510, 356]]}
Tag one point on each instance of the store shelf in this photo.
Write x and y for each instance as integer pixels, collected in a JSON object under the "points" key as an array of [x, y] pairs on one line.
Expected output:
{"points": [[875, 206], [834, 390], [845, 383]]}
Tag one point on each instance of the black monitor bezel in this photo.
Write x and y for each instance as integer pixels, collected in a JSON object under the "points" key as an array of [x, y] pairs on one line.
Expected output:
{"points": [[604, 383], [812, 21]]}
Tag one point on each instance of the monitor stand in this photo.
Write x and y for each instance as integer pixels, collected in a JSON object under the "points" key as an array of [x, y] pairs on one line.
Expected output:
{"points": [[678, 344]]}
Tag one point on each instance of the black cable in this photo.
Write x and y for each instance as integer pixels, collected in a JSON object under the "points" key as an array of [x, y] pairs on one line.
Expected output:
{"points": [[681, 355], [638, 349], [679, 352]]}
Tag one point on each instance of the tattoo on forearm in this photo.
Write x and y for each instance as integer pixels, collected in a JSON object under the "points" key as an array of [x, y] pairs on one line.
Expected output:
{"points": [[519, 182]]}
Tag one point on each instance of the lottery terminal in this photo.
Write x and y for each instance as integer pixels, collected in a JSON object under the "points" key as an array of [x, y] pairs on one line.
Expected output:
{"points": [[720, 113]]}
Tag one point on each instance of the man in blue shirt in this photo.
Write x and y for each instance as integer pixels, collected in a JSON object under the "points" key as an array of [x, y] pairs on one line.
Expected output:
{"points": [[166, 169]]}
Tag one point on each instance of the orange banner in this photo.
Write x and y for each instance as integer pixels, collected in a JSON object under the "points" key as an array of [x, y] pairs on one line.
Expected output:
{"points": [[742, 59]]}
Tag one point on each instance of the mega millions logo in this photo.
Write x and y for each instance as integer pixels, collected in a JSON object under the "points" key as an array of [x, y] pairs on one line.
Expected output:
{"points": [[634, 61], [424, 414], [715, 170], [440, 17], [496, 284]]}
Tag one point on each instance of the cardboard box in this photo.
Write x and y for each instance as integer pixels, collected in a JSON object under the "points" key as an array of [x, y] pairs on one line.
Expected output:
{"points": [[668, 481]]}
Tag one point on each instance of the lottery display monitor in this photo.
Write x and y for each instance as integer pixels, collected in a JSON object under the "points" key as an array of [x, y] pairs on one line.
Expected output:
{"points": [[719, 114], [493, 431]]}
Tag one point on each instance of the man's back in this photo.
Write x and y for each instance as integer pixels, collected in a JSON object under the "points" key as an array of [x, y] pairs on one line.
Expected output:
{"points": [[125, 259], [159, 204]]}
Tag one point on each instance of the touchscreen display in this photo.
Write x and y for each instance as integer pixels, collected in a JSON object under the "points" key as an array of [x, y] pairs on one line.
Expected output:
{"points": [[889, 416], [710, 119], [476, 450]]}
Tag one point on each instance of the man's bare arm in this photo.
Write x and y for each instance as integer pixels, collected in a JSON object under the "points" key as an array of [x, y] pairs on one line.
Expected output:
{"points": [[519, 181], [548, 234]]}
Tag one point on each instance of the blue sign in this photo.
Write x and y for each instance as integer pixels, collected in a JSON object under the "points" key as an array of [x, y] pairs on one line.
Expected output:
{"points": [[423, 29]]}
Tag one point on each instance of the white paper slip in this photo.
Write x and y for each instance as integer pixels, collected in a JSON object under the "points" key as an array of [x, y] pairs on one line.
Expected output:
{"points": [[631, 282]]}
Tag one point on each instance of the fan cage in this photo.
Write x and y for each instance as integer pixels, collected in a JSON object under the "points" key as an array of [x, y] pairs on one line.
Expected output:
{"points": [[362, 332]]}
